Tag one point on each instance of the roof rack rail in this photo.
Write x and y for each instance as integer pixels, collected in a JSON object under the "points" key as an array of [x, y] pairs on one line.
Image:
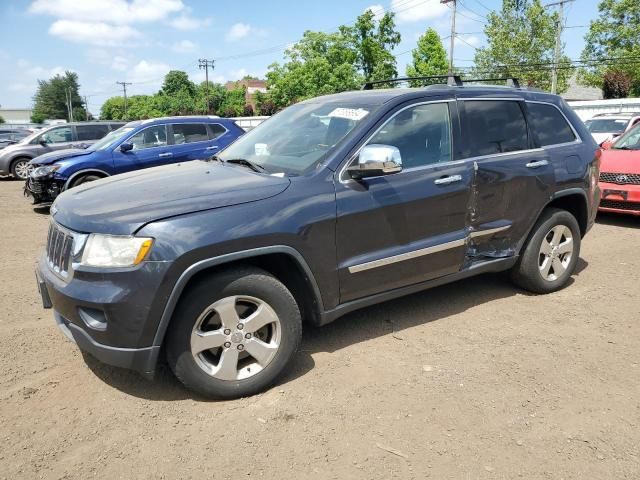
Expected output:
{"points": [[512, 82], [452, 80]]}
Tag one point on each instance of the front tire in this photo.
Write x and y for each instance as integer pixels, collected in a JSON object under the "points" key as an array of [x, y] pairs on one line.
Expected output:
{"points": [[85, 179], [551, 253], [233, 333]]}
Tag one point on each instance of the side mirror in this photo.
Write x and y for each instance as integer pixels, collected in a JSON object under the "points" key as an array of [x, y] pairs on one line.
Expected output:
{"points": [[125, 147], [43, 142], [376, 160]]}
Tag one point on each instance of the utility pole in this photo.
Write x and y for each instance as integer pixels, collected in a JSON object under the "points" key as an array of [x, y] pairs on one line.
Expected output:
{"points": [[204, 63], [67, 96], [556, 56], [86, 109], [452, 38], [124, 89]]}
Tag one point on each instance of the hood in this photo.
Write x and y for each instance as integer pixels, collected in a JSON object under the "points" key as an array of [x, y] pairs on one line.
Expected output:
{"points": [[620, 161], [52, 157], [122, 204]]}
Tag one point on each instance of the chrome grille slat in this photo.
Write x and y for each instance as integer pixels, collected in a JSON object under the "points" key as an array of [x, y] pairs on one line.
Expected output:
{"points": [[620, 178], [59, 249]]}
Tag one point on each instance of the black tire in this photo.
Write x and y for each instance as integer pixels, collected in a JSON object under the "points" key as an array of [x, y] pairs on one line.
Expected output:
{"points": [[243, 281], [527, 273], [16, 169], [85, 179]]}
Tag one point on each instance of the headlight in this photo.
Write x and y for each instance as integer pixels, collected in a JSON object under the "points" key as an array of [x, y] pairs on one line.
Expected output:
{"points": [[115, 251], [44, 171]]}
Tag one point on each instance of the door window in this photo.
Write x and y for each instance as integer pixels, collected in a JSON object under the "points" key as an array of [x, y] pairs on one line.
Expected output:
{"points": [[58, 135], [150, 137], [91, 132], [217, 130], [422, 134], [189, 133], [495, 126], [549, 125]]}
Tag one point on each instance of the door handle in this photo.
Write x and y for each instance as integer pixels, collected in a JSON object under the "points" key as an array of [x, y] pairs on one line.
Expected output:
{"points": [[448, 180], [539, 163], [214, 147], [165, 155]]}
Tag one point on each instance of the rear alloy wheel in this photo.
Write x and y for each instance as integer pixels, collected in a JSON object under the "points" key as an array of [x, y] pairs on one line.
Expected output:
{"points": [[233, 333], [550, 255], [21, 168]]}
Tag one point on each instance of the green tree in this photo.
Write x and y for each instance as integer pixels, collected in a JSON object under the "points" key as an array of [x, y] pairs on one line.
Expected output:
{"points": [[320, 63], [521, 43], [112, 109], [613, 37], [429, 58], [233, 103], [175, 81], [373, 42], [50, 100]]}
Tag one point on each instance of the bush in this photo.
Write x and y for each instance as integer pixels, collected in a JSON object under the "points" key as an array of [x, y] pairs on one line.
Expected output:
{"points": [[1, 119]]}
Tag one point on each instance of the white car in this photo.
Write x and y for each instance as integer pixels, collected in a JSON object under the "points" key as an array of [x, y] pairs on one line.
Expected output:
{"points": [[607, 126]]}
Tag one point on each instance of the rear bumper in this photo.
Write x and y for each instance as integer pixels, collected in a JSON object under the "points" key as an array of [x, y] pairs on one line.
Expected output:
{"points": [[623, 199]]}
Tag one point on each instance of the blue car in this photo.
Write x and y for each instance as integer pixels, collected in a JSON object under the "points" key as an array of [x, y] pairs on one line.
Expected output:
{"points": [[136, 145]]}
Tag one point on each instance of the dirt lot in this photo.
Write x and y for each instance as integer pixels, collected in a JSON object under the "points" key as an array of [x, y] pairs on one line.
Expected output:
{"points": [[474, 380]]}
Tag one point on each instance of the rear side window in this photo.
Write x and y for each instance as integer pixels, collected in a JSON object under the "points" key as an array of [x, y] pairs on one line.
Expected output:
{"points": [[549, 125], [495, 126], [189, 133], [217, 130], [91, 132]]}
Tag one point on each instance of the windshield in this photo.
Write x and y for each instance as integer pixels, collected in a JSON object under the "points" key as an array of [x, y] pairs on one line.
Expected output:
{"points": [[110, 139], [297, 139], [629, 141], [606, 125]]}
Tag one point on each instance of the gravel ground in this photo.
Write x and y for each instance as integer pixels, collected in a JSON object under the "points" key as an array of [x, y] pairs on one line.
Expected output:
{"points": [[474, 380]]}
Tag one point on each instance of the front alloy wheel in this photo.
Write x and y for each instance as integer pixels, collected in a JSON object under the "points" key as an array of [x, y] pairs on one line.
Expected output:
{"points": [[233, 333], [21, 168]]}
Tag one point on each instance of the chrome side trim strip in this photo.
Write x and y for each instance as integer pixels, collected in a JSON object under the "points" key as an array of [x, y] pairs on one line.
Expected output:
{"points": [[490, 231], [406, 256], [424, 251]]}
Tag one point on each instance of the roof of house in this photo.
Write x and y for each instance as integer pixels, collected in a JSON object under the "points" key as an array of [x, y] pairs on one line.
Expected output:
{"points": [[580, 92]]}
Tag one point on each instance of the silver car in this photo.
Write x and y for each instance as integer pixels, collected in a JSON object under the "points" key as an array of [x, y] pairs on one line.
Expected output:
{"points": [[14, 159]]}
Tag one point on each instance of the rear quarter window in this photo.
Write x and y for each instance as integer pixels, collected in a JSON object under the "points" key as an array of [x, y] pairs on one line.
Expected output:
{"points": [[549, 125]]}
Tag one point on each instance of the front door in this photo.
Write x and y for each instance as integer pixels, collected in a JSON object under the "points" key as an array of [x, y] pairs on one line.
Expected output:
{"points": [[405, 228], [150, 149]]}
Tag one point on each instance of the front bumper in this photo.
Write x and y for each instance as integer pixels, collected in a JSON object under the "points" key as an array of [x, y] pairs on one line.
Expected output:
{"points": [[107, 314], [623, 199], [43, 190]]}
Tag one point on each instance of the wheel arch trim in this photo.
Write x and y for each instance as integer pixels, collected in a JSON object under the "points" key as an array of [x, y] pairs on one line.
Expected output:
{"points": [[84, 172], [206, 263]]}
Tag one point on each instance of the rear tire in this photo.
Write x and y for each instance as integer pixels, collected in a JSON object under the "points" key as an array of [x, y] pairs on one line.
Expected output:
{"points": [[550, 255], [20, 168], [214, 345]]}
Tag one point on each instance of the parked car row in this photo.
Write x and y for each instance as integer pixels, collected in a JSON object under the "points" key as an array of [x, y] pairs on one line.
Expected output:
{"points": [[9, 136], [606, 127]]}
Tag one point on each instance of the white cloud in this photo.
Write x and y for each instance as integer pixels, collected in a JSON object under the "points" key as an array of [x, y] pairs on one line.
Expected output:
{"points": [[148, 72], [93, 33], [109, 11], [423, 10], [187, 22], [183, 46], [30, 74], [238, 31], [467, 40], [377, 10], [120, 63]]}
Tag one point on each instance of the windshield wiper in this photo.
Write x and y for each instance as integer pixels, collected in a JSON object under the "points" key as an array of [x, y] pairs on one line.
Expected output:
{"points": [[256, 167]]}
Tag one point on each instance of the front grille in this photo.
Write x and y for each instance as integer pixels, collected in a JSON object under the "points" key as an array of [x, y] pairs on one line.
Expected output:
{"points": [[59, 248], [619, 205], [620, 178]]}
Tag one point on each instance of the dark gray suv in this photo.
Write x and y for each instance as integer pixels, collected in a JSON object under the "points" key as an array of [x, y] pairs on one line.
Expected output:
{"points": [[336, 203], [14, 159]]}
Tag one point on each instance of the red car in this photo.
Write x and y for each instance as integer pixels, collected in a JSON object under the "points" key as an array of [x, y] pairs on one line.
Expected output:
{"points": [[620, 174]]}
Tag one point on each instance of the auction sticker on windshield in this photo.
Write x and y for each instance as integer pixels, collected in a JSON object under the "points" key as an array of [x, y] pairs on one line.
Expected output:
{"points": [[349, 113]]}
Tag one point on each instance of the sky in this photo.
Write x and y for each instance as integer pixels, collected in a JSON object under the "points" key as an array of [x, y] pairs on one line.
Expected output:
{"points": [[139, 41]]}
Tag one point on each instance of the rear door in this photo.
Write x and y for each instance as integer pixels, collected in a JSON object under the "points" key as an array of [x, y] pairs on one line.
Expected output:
{"points": [[401, 229], [150, 149], [513, 177], [190, 141]]}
